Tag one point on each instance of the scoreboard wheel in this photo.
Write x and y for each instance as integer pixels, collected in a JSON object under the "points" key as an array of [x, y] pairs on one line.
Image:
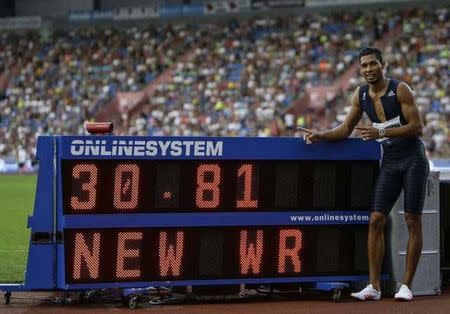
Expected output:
{"points": [[7, 297], [132, 301], [337, 294]]}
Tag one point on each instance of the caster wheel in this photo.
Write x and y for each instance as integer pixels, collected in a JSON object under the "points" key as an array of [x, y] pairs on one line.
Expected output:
{"points": [[132, 302], [7, 297], [157, 301], [84, 297], [336, 295]]}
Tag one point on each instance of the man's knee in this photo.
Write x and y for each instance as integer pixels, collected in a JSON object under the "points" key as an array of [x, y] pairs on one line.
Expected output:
{"points": [[413, 221], [377, 220]]}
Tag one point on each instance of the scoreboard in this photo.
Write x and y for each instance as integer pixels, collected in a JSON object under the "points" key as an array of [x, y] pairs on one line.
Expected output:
{"points": [[137, 211]]}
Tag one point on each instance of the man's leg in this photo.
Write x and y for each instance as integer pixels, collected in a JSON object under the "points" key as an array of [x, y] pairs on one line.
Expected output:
{"points": [[375, 247], [387, 189], [414, 247]]}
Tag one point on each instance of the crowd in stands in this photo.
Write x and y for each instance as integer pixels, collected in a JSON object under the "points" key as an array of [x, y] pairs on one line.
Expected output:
{"points": [[278, 61], [240, 79], [53, 85], [250, 72]]}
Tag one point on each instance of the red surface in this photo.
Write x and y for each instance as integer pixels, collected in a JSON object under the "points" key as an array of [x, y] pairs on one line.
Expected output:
{"points": [[99, 127], [305, 304]]}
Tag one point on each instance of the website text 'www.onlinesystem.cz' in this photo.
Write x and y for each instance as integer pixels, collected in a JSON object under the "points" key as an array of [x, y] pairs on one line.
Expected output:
{"points": [[330, 218]]}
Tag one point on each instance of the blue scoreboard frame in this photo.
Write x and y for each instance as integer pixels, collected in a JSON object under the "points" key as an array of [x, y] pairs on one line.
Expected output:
{"points": [[54, 226]]}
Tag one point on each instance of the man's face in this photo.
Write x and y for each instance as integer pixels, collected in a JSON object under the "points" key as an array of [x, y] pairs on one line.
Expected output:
{"points": [[371, 68]]}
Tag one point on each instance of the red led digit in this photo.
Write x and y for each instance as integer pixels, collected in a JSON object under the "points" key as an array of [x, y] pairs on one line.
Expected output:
{"points": [[293, 253], [246, 170], [210, 185], [126, 186], [250, 253], [170, 258], [123, 253], [90, 187], [89, 255]]}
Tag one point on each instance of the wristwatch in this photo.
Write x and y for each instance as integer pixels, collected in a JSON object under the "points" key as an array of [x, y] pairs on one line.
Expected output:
{"points": [[381, 132]]}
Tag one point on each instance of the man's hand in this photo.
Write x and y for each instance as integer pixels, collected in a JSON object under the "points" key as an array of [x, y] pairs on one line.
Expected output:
{"points": [[310, 136], [368, 132]]}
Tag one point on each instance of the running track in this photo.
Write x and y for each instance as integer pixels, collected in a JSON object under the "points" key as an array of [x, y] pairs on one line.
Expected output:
{"points": [[303, 304]]}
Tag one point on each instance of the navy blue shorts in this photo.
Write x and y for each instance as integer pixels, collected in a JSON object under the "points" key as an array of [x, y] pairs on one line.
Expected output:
{"points": [[407, 170]]}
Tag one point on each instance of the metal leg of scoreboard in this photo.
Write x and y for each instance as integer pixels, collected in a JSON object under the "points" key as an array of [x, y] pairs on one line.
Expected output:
{"points": [[7, 289]]}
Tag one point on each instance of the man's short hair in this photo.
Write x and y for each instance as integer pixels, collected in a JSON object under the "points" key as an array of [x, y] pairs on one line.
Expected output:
{"points": [[371, 51]]}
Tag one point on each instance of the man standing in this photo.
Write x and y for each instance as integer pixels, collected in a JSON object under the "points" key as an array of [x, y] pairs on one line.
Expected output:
{"points": [[391, 106]]}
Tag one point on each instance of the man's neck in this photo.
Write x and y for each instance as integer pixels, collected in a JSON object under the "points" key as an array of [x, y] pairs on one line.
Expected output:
{"points": [[379, 86]]}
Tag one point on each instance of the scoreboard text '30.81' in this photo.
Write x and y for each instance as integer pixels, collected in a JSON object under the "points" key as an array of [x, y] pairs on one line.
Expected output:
{"points": [[109, 186]]}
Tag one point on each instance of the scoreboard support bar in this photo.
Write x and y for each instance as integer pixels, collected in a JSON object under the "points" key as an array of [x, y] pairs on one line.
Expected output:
{"points": [[133, 212]]}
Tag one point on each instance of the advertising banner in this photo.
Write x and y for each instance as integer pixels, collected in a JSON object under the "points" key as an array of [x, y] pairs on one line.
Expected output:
{"points": [[135, 13], [23, 22]]}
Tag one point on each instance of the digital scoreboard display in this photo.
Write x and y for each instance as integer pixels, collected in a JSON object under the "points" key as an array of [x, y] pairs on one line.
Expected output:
{"points": [[143, 186], [139, 211], [171, 254]]}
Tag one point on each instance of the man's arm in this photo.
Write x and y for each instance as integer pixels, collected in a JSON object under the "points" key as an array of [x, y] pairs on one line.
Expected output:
{"points": [[408, 104], [345, 128]]}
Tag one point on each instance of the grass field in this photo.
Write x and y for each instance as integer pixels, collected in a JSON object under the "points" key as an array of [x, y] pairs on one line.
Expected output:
{"points": [[17, 200]]}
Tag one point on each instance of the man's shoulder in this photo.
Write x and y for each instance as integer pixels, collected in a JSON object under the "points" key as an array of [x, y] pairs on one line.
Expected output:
{"points": [[402, 87], [362, 87], [362, 91], [400, 84]]}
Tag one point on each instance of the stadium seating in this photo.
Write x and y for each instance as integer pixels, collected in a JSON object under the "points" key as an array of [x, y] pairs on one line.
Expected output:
{"points": [[240, 80]]}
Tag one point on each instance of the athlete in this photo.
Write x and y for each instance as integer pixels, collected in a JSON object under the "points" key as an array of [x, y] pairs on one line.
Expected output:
{"points": [[391, 107]]}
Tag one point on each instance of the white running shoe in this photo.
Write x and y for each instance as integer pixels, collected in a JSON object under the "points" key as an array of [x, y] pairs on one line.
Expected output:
{"points": [[403, 294], [368, 293]]}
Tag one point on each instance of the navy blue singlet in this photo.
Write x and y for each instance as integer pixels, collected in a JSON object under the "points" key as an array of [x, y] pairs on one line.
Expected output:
{"points": [[404, 164]]}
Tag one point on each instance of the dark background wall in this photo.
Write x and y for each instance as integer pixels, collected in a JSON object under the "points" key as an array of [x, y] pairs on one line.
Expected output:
{"points": [[50, 7], [6, 8]]}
